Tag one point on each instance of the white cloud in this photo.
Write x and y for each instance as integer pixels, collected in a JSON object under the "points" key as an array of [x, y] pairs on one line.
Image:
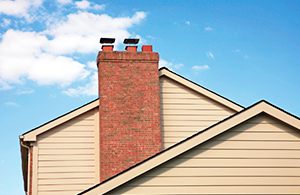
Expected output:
{"points": [[64, 1], [92, 64], [177, 66], [21, 55], [89, 89], [99, 7], [244, 55], [199, 68], [210, 55], [81, 31], [25, 92], [84, 4], [188, 22], [4, 85], [150, 37], [19, 8], [164, 63], [43, 57], [12, 104], [5, 23], [208, 28]]}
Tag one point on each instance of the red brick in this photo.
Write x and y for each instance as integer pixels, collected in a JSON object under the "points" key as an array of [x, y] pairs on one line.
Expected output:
{"points": [[129, 109]]}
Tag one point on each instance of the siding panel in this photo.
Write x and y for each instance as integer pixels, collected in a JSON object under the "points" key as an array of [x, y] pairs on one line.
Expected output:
{"points": [[204, 181], [66, 159], [244, 160], [214, 190], [185, 112]]}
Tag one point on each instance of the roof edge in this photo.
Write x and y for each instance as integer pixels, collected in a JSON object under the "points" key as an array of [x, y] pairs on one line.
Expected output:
{"points": [[31, 135], [200, 89]]}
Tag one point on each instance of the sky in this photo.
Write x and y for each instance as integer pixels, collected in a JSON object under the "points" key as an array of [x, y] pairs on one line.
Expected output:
{"points": [[245, 51]]}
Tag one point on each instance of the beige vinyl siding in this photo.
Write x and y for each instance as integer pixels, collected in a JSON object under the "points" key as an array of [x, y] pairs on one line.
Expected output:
{"points": [[185, 112], [67, 156], [259, 156]]}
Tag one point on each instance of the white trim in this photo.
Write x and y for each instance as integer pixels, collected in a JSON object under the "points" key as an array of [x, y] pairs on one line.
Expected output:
{"points": [[199, 89], [34, 168], [28, 168], [97, 146], [31, 136]]}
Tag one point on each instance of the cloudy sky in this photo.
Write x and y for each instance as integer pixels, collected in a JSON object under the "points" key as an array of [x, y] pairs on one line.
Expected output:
{"points": [[243, 50]]}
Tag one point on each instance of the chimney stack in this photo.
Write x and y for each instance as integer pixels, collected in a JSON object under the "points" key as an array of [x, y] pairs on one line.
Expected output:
{"points": [[129, 107], [109, 41]]}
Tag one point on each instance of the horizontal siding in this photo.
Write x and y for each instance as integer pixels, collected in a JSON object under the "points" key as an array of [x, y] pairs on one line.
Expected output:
{"points": [[204, 181], [59, 192], [185, 112], [66, 159], [68, 175], [260, 156], [213, 190]]}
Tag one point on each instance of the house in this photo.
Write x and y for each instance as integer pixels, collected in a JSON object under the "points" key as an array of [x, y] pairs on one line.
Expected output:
{"points": [[154, 132], [255, 151]]}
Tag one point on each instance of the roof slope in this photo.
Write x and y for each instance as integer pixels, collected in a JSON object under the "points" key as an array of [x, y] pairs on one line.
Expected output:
{"points": [[31, 135], [193, 141], [206, 92]]}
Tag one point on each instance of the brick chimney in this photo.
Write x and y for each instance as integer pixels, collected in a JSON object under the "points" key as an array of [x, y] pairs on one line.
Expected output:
{"points": [[129, 108]]}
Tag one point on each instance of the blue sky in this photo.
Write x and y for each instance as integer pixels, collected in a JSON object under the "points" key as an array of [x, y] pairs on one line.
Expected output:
{"points": [[243, 50]]}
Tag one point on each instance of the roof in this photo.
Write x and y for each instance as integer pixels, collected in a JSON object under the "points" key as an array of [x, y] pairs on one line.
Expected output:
{"points": [[32, 134], [193, 141], [206, 92]]}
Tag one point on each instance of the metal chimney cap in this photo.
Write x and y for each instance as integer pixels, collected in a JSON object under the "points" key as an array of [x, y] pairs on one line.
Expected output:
{"points": [[131, 41], [107, 40]]}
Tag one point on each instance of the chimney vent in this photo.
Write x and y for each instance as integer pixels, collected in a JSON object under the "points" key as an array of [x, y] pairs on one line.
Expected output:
{"points": [[107, 40], [131, 44], [147, 48], [131, 48], [131, 41]]}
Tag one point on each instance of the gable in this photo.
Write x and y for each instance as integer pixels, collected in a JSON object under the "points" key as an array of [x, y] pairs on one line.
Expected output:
{"points": [[66, 158], [259, 156], [177, 82], [201, 90], [222, 133], [32, 134], [185, 112], [186, 108]]}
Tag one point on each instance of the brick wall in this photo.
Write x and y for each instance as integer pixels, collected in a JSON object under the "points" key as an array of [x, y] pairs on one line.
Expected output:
{"points": [[129, 109]]}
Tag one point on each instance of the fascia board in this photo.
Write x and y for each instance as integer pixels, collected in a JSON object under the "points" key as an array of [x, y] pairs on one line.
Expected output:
{"points": [[31, 136], [195, 87], [282, 115]]}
